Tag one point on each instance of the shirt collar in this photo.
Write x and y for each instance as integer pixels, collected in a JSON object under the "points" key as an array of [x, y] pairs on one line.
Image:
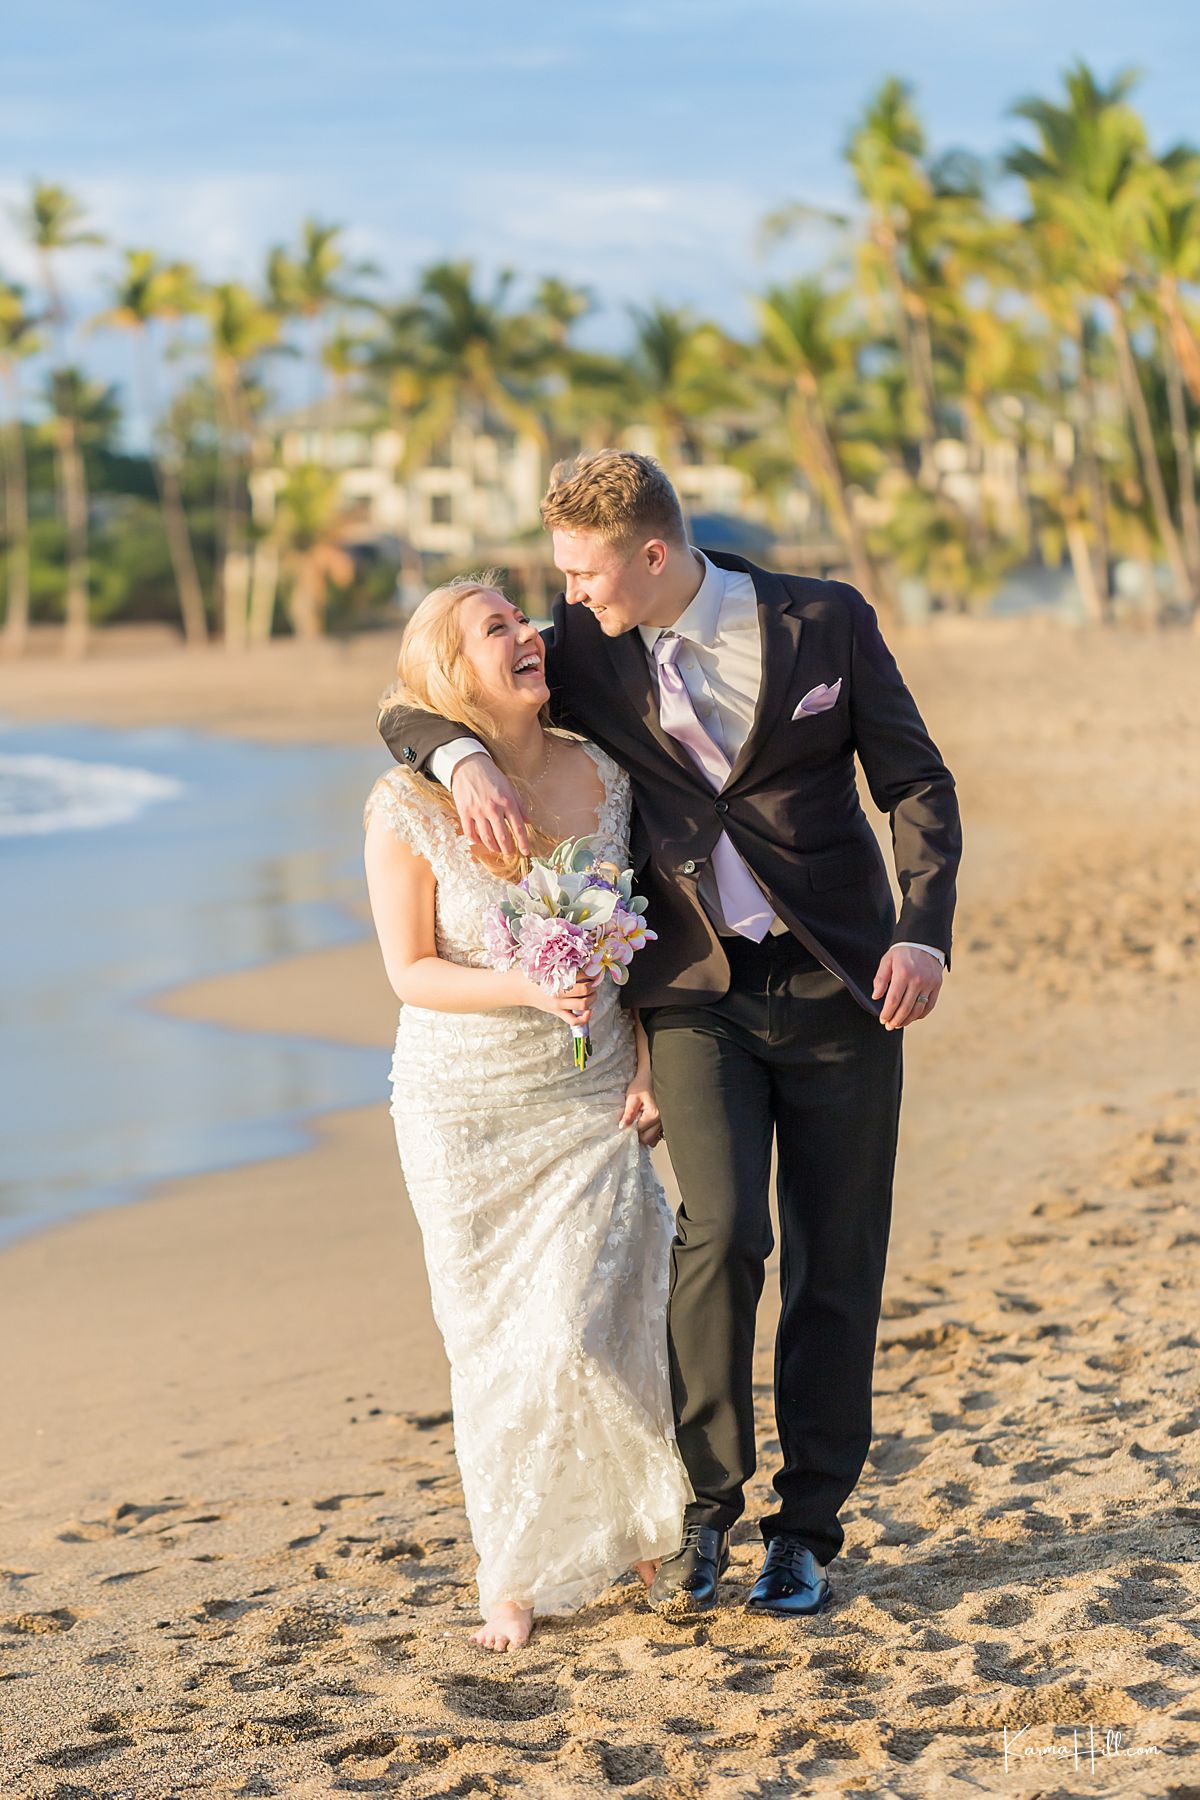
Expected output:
{"points": [[701, 617]]}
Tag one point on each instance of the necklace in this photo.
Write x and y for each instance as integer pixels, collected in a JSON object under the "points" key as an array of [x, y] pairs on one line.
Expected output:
{"points": [[536, 780]]}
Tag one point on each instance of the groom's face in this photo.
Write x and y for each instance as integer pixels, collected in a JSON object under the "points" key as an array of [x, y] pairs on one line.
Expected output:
{"points": [[620, 587]]}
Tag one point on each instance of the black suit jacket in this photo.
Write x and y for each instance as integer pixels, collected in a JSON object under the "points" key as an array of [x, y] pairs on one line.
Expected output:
{"points": [[790, 805]]}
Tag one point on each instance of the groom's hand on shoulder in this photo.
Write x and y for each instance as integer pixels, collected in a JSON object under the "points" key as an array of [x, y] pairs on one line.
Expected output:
{"points": [[488, 808], [909, 981]]}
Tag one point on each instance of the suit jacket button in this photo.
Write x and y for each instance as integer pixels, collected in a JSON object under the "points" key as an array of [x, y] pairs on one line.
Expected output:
{"points": [[410, 754], [722, 806], [689, 868]]}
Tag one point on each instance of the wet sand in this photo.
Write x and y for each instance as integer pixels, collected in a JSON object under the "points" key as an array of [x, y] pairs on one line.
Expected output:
{"points": [[233, 1558]]}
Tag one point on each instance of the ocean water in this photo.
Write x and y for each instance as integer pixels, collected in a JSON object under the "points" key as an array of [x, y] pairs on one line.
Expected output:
{"points": [[130, 862]]}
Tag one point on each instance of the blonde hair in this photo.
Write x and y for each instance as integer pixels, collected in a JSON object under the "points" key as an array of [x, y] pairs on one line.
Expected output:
{"points": [[624, 496], [434, 676]]}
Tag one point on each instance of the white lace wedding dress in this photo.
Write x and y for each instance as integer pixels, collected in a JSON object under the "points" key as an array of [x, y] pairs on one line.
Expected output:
{"points": [[546, 1239]]}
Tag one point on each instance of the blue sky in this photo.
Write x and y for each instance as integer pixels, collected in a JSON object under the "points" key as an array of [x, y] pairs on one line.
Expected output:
{"points": [[631, 147]]}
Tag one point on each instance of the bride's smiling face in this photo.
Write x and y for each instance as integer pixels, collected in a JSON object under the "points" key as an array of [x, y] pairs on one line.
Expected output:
{"points": [[505, 654]]}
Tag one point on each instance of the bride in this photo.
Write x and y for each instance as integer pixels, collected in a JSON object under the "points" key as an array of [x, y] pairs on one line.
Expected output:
{"points": [[546, 1232]]}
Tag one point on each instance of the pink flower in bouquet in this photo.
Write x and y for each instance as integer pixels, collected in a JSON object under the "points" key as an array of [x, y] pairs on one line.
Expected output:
{"points": [[624, 933], [634, 933], [553, 951], [500, 946]]}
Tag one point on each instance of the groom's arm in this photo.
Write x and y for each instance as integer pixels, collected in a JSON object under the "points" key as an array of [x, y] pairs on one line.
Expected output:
{"points": [[488, 806], [909, 781]]}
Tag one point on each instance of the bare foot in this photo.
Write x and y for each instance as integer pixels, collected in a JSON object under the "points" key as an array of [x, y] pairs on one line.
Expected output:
{"points": [[507, 1627], [648, 1570]]}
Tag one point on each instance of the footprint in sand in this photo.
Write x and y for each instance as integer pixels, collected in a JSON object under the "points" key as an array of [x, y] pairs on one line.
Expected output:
{"points": [[37, 1624], [896, 1455], [753, 1678], [1004, 1610], [79, 1756], [120, 1521], [1013, 1302], [221, 1610], [364, 1751], [335, 1502], [301, 1627], [284, 1728], [477, 1697], [626, 1764], [399, 1549]]}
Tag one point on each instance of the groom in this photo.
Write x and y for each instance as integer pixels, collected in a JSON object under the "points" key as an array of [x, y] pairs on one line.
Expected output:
{"points": [[776, 993]]}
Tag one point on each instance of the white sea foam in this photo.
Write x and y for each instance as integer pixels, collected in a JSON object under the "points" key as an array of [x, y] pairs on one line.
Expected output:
{"points": [[40, 794]]}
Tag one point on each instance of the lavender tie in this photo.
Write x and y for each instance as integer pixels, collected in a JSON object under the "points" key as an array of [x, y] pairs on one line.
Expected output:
{"points": [[743, 906]]}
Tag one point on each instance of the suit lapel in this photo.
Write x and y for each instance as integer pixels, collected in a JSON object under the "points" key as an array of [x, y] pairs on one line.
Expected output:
{"points": [[780, 625]]}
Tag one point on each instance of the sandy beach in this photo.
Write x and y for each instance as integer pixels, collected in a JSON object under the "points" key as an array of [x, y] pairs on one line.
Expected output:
{"points": [[233, 1556]]}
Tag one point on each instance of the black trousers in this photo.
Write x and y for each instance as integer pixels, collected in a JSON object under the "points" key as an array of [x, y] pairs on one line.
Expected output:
{"points": [[786, 1056]]}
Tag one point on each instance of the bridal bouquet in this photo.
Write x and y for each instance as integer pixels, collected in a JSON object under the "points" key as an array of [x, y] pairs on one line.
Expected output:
{"points": [[570, 917]]}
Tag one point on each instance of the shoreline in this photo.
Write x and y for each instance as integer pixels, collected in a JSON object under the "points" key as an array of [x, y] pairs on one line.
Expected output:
{"points": [[232, 1547]]}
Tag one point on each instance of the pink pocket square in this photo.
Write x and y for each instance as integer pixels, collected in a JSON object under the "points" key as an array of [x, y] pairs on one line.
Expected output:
{"points": [[818, 700]]}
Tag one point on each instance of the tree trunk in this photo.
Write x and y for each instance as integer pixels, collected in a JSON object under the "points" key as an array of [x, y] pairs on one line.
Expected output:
{"points": [[1092, 476], [1083, 569], [233, 567], [1185, 461], [306, 603], [174, 513], [1139, 412], [867, 576], [263, 583], [16, 517], [917, 375], [73, 482], [1183, 338], [235, 589], [183, 562]]}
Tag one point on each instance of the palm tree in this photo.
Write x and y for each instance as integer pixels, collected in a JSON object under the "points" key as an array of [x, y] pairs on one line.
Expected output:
{"points": [[315, 283], [307, 528], [806, 357], [149, 291], [1090, 180], [18, 339], [1172, 244], [53, 220], [884, 152], [455, 350], [588, 396], [681, 370], [1046, 271], [926, 231], [241, 328]]}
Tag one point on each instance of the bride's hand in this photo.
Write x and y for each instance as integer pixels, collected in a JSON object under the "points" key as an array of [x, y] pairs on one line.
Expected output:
{"points": [[574, 1007], [641, 1108]]}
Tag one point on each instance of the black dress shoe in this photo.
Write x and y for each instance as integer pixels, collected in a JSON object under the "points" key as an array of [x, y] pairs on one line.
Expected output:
{"points": [[687, 1582], [792, 1583]]}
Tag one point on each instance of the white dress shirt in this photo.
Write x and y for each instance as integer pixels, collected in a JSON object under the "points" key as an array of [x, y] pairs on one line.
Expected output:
{"points": [[721, 667]]}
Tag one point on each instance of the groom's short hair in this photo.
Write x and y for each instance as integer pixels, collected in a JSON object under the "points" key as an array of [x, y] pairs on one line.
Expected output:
{"points": [[624, 496]]}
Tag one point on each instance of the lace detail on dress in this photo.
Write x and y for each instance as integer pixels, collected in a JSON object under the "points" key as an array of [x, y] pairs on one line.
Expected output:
{"points": [[465, 888], [546, 1238]]}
